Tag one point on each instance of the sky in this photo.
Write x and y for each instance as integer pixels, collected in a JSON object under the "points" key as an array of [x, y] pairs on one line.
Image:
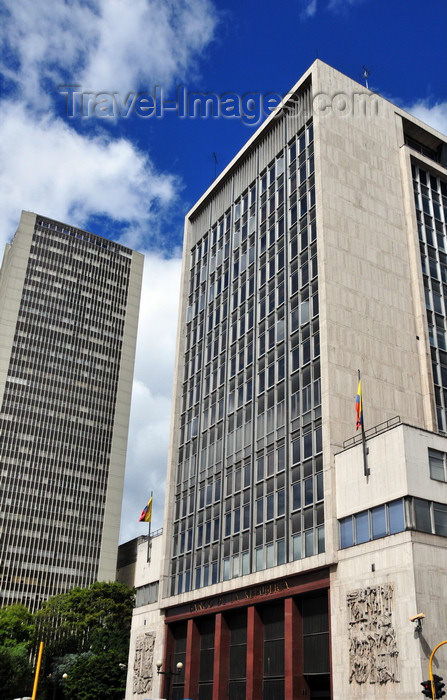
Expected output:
{"points": [[93, 132]]}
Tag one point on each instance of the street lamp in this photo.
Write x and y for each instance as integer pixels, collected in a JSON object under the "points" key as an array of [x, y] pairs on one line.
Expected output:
{"points": [[169, 673]]}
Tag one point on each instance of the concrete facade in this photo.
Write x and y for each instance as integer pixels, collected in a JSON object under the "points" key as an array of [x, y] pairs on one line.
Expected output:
{"points": [[147, 634], [319, 251], [69, 303], [411, 564]]}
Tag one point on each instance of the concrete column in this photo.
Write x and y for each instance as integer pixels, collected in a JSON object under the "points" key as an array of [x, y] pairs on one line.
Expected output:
{"points": [[255, 654], [221, 658]]}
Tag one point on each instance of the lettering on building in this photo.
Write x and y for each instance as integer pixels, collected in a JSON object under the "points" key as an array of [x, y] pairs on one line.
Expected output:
{"points": [[234, 597]]}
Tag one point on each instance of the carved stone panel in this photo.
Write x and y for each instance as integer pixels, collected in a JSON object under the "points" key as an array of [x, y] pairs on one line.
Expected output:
{"points": [[372, 640], [143, 663]]}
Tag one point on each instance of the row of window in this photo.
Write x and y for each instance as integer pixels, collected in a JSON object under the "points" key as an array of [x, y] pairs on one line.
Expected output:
{"points": [[222, 395], [403, 514], [430, 195]]}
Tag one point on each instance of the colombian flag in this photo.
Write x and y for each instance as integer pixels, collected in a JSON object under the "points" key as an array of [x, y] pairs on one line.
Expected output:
{"points": [[146, 513], [359, 406]]}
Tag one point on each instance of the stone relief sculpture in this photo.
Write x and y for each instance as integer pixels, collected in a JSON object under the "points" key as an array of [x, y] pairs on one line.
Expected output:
{"points": [[372, 640], [143, 663]]}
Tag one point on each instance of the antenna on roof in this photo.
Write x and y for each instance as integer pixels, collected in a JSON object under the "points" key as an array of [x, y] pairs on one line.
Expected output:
{"points": [[365, 75]]}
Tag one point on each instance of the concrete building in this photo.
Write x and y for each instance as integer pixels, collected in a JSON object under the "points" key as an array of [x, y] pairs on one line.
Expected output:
{"points": [[139, 564], [295, 551], [69, 303]]}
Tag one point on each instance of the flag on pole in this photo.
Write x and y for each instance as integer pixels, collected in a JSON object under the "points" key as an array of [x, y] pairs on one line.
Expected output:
{"points": [[359, 406], [146, 513]]}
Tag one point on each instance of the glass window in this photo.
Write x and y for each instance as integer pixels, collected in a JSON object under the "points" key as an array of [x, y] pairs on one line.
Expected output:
{"points": [[226, 569], [297, 547], [308, 491], [270, 507], [309, 542], [296, 495], [378, 521], [436, 462], [346, 532], [422, 515], [280, 502], [440, 518], [396, 517], [362, 527]]}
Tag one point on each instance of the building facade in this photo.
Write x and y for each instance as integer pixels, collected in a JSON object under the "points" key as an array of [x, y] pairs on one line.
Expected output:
{"points": [[69, 303], [139, 566], [296, 552]]}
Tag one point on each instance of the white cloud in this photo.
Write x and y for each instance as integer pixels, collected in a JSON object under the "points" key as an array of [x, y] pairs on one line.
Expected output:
{"points": [[47, 167], [310, 6], [343, 5], [434, 115], [310, 9], [147, 42], [151, 399], [45, 164], [104, 45]]}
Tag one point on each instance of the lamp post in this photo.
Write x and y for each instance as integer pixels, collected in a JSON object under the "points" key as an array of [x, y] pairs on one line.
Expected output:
{"points": [[169, 673]]}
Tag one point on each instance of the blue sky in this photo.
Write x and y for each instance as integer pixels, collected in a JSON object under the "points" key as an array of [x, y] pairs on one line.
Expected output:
{"points": [[133, 178]]}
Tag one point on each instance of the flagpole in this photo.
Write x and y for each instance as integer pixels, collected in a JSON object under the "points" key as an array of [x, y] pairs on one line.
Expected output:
{"points": [[364, 448], [149, 543]]}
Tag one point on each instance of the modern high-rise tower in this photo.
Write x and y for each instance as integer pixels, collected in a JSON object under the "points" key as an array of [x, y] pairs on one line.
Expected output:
{"points": [[296, 551], [69, 303]]}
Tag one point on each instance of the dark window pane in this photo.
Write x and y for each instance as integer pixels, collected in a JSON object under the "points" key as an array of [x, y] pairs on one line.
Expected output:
{"points": [[316, 653], [205, 691], [206, 664], [315, 615], [440, 517], [236, 690], [274, 657], [422, 515], [273, 689], [237, 661], [296, 495]]}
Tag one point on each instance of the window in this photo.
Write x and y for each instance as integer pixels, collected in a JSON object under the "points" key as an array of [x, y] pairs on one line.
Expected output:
{"points": [[422, 515], [346, 533], [147, 594], [372, 524], [436, 462], [440, 519]]}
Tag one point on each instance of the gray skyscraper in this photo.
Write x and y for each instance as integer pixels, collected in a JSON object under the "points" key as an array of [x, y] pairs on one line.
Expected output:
{"points": [[291, 568], [69, 303]]}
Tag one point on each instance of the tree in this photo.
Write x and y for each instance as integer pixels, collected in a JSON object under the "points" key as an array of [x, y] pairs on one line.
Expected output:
{"points": [[15, 671], [16, 626], [87, 619], [96, 677], [87, 631], [16, 637]]}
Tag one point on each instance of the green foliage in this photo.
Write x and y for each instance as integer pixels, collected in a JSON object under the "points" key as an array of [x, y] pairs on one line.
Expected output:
{"points": [[16, 637], [86, 636], [96, 677], [16, 626], [87, 619], [16, 675], [86, 633]]}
